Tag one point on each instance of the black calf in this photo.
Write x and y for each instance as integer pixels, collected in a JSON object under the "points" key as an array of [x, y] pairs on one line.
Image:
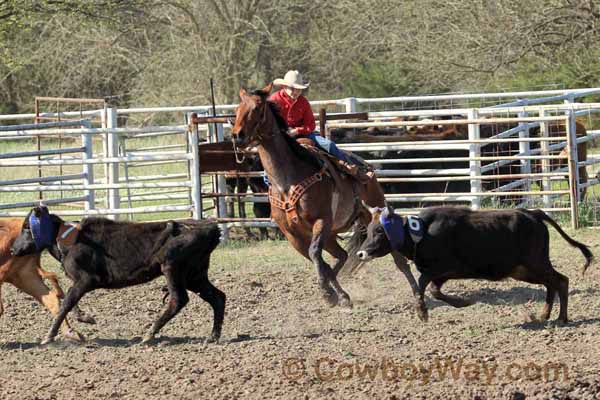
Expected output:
{"points": [[457, 243], [100, 253]]}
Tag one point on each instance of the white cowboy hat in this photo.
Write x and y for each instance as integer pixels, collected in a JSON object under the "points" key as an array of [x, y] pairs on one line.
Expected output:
{"points": [[292, 79]]}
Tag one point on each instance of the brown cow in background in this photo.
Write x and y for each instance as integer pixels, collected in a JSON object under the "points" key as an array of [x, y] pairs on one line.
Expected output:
{"points": [[451, 132]]}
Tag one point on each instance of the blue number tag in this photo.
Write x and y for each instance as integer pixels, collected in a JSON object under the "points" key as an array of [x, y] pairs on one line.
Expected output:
{"points": [[416, 228], [393, 227]]}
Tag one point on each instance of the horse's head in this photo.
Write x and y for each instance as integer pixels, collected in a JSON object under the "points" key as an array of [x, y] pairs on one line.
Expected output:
{"points": [[253, 120]]}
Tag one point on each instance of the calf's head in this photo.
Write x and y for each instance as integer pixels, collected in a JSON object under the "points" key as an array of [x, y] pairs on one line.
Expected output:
{"points": [[384, 232], [38, 233]]}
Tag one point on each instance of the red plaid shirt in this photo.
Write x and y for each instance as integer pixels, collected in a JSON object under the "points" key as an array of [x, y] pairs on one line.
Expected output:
{"points": [[297, 113]]}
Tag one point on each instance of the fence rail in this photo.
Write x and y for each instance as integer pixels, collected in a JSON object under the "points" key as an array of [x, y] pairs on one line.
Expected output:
{"points": [[147, 172]]}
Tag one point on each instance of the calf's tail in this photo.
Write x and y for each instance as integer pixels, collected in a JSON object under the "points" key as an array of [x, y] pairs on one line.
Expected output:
{"points": [[542, 216]]}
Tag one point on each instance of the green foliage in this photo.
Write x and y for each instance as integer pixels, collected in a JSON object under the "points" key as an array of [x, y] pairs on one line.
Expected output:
{"points": [[379, 79], [158, 53], [569, 71]]}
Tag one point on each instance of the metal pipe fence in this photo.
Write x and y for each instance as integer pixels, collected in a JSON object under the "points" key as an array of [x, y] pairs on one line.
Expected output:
{"points": [[144, 167]]}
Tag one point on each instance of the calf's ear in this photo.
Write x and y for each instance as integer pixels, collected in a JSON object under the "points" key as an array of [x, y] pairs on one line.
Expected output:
{"points": [[372, 210], [390, 209]]}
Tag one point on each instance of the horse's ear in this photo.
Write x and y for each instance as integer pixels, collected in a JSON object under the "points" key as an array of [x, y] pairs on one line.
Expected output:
{"points": [[243, 93], [267, 89]]}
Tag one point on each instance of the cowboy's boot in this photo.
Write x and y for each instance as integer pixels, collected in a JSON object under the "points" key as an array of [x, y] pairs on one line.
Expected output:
{"points": [[350, 169]]}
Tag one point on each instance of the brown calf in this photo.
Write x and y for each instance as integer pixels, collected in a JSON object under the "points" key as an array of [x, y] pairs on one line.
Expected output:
{"points": [[27, 275]]}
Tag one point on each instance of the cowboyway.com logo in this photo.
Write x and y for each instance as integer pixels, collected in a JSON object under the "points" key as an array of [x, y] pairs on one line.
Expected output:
{"points": [[328, 369]]}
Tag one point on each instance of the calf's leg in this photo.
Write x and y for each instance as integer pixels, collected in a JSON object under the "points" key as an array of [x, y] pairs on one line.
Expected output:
{"points": [[435, 288], [77, 313], [213, 296], [178, 298], [29, 281], [553, 281], [424, 280], [402, 265], [51, 276], [3, 272], [563, 295], [74, 294], [550, 295]]}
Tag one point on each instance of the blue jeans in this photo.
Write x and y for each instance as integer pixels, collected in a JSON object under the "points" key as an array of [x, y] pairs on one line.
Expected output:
{"points": [[330, 147]]}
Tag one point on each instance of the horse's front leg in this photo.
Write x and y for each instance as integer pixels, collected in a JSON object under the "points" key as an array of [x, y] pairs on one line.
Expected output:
{"points": [[341, 256], [402, 265], [329, 285]]}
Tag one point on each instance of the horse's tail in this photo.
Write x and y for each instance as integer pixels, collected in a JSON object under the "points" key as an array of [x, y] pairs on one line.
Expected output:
{"points": [[353, 263], [585, 250]]}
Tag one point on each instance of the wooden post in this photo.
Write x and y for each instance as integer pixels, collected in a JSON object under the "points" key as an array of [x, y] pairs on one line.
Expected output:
{"points": [[323, 122]]}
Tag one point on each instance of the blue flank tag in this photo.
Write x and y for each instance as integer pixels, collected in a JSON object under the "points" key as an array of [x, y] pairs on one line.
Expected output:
{"points": [[393, 225], [41, 229], [416, 228]]}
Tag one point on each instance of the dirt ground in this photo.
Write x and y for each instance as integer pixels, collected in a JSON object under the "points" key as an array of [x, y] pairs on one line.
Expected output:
{"points": [[281, 341]]}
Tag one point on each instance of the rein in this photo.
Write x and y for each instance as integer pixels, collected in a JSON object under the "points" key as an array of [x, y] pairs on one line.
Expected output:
{"points": [[236, 152], [294, 194]]}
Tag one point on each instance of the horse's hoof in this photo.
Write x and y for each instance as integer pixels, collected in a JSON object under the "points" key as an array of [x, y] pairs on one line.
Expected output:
{"points": [[213, 339], [422, 314], [543, 317], [48, 340], [562, 321], [148, 339], [331, 299], [460, 303], [529, 318], [346, 302], [86, 319], [73, 336]]}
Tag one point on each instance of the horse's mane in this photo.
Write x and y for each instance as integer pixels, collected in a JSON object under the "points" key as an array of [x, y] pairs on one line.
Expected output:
{"points": [[300, 152]]}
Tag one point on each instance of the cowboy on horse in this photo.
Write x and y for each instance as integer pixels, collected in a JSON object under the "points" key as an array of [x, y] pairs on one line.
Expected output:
{"points": [[310, 206], [295, 110]]}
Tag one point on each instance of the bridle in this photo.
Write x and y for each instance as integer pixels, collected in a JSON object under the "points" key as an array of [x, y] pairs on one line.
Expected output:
{"points": [[240, 155], [236, 152]]}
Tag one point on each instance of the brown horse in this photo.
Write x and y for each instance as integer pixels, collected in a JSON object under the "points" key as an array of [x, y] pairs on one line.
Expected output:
{"points": [[308, 204]]}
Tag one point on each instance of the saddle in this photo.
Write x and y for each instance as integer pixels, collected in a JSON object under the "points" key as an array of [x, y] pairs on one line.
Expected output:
{"points": [[361, 171], [331, 166]]}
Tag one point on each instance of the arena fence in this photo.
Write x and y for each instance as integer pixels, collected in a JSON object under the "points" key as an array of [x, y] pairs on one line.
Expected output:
{"points": [[154, 172]]}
